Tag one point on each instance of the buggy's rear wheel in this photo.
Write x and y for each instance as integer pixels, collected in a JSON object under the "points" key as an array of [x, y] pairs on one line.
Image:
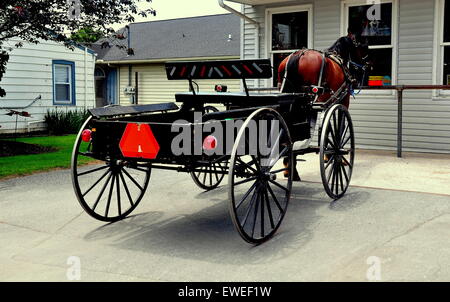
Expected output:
{"points": [[337, 151], [209, 177], [108, 189], [258, 192]]}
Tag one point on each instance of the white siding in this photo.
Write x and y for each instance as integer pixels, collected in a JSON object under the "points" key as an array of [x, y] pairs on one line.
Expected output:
{"points": [[426, 121], [29, 74], [155, 88]]}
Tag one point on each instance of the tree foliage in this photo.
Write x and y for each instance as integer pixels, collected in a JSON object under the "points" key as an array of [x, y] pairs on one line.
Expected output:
{"points": [[59, 20]]}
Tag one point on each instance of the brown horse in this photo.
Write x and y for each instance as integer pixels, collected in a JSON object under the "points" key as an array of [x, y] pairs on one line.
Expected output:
{"points": [[310, 67], [330, 70]]}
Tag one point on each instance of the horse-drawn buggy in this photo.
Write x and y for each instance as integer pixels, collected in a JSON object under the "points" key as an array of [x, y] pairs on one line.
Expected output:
{"points": [[252, 137]]}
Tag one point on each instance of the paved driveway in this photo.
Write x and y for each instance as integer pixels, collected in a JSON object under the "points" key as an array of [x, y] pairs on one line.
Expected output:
{"points": [[179, 233]]}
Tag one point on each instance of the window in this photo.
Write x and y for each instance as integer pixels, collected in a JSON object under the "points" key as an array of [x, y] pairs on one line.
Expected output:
{"points": [[290, 30], [63, 83], [376, 25]]}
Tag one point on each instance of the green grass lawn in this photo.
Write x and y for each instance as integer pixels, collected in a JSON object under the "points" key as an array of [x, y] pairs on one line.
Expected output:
{"points": [[27, 164]]}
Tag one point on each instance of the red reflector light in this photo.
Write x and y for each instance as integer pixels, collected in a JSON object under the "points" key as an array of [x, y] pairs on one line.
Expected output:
{"points": [[315, 90], [210, 143], [86, 135]]}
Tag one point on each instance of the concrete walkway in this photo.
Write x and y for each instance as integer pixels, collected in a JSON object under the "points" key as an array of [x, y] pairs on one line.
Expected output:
{"points": [[394, 223]]}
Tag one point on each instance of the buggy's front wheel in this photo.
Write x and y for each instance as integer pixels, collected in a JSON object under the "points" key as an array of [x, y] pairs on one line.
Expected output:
{"points": [[108, 189]]}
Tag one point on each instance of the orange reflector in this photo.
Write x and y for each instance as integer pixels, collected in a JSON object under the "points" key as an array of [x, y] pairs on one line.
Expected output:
{"points": [[86, 135], [210, 143], [138, 141]]}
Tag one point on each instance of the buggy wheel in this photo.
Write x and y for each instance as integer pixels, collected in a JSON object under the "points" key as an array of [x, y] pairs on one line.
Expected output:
{"points": [[258, 192], [210, 176], [109, 189], [337, 151]]}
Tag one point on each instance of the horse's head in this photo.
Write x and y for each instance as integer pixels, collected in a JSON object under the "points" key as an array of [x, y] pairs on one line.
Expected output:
{"points": [[360, 60]]}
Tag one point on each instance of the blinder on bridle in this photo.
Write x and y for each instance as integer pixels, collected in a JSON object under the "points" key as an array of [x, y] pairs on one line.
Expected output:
{"points": [[364, 65]]}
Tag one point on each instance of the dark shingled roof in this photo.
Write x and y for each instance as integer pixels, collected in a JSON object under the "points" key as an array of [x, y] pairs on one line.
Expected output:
{"points": [[206, 36]]}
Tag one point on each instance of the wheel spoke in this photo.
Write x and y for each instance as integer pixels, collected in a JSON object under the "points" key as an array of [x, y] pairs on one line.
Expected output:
{"points": [[345, 173], [132, 179], [126, 189], [278, 185], [110, 195], [269, 209], [255, 213], [330, 173], [346, 141], [340, 177], [92, 171], [336, 134], [210, 175], [330, 142], [246, 164], [204, 175], [275, 199], [262, 214], [96, 183], [101, 192], [344, 135], [330, 160], [245, 180], [247, 214], [215, 173], [118, 195], [346, 161], [246, 195]]}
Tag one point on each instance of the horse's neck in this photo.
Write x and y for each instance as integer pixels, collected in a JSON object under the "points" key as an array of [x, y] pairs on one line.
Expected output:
{"points": [[343, 48]]}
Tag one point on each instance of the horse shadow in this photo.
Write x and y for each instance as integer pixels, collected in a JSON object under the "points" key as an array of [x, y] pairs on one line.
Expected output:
{"points": [[209, 235]]}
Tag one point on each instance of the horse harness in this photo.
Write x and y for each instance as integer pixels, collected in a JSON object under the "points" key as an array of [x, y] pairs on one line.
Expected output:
{"points": [[290, 77]]}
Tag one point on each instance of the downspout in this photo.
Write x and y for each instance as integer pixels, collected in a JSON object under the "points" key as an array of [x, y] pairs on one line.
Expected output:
{"points": [[85, 77], [130, 67], [248, 19]]}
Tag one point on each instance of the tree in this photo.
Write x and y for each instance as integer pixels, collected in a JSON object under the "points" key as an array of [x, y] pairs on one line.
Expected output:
{"points": [[86, 36], [58, 20]]}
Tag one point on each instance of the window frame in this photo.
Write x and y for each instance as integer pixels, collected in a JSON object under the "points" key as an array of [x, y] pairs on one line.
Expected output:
{"points": [[284, 10], [438, 73], [345, 5], [71, 83]]}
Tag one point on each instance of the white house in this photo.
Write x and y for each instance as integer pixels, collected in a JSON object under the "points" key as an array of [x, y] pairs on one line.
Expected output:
{"points": [[409, 41], [64, 79]]}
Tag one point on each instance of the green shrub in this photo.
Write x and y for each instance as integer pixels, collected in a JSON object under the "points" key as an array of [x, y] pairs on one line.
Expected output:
{"points": [[61, 122]]}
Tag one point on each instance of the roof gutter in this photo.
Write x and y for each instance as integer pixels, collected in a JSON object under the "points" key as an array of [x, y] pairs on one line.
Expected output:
{"points": [[248, 19]]}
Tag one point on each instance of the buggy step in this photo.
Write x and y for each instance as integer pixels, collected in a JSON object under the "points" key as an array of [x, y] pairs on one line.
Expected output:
{"points": [[132, 110]]}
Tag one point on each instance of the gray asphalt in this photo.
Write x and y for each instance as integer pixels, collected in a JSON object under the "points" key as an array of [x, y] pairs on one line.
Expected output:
{"points": [[179, 233]]}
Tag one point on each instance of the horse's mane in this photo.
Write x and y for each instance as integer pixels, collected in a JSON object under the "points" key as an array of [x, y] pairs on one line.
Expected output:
{"points": [[342, 47]]}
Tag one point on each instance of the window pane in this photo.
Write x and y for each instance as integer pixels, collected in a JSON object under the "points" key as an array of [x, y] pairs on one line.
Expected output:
{"points": [[62, 74], [62, 92], [447, 21], [447, 65], [377, 30], [290, 31], [382, 67], [277, 59]]}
